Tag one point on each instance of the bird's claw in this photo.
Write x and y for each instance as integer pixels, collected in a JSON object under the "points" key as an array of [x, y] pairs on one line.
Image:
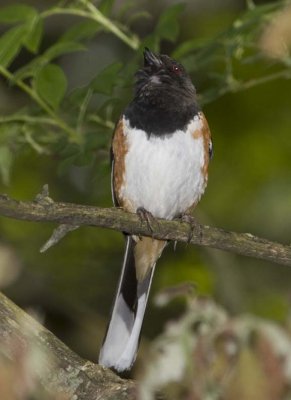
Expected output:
{"points": [[146, 216], [193, 225]]}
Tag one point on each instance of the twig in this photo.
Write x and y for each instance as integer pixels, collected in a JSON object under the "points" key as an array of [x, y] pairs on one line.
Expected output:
{"points": [[114, 218], [94, 14], [57, 235]]}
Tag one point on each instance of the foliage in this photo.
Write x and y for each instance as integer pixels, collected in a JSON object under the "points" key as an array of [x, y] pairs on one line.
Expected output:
{"points": [[207, 354], [65, 122]]}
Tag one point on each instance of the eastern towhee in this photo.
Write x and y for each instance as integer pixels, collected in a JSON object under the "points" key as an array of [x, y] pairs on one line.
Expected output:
{"points": [[160, 153]]}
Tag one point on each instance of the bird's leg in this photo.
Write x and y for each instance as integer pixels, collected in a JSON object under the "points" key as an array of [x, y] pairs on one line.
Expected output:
{"points": [[193, 225], [146, 216]]}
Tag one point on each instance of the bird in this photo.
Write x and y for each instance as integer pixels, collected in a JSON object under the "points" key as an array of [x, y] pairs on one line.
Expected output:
{"points": [[160, 153]]}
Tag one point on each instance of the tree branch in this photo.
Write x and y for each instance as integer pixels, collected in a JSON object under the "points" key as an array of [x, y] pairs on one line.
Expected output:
{"points": [[61, 370], [44, 209]]}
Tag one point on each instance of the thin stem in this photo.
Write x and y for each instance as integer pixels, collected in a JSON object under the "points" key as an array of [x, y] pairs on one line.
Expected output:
{"points": [[83, 110], [94, 14], [107, 23], [27, 89], [237, 86], [277, 75], [27, 118], [106, 123], [36, 146]]}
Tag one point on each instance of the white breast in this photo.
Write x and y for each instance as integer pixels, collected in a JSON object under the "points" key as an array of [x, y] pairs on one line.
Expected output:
{"points": [[164, 174]]}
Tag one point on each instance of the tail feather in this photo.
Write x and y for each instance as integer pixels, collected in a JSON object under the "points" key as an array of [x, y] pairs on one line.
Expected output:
{"points": [[122, 337]]}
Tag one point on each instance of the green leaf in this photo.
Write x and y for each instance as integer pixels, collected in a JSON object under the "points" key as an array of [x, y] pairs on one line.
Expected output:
{"points": [[189, 46], [105, 6], [61, 48], [51, 84], [152, 42], [78, 94], [125, 8], [10, 44], [29, 69], [34, 36], [54, 51], [6, 159], [106, 79], [168, 25], [80, 31], [138, 16], [16, 13]]}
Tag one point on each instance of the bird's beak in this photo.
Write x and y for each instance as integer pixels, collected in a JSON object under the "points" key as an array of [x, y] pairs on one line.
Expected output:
{"points": [[150, 59]]}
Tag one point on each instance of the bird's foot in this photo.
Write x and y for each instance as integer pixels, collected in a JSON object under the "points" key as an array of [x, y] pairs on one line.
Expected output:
{"points": [[146, 216], [193, 225]]}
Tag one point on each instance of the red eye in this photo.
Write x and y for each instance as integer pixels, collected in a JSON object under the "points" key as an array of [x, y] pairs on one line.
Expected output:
{"points": [[176, 69]]}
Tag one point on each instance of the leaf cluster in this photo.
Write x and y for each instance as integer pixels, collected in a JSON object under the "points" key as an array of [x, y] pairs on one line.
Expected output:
{"points": [[67, 123]]}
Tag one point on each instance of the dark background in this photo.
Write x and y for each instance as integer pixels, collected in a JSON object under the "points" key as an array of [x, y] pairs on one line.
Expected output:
{"points": [[71, 286]]}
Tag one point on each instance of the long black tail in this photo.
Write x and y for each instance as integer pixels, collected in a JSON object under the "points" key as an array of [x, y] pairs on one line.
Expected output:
{"points": [[122, 337]]}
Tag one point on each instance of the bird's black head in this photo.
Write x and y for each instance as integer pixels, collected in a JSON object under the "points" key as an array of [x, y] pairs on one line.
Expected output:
{"points": [[163, 76], [165, 98]]}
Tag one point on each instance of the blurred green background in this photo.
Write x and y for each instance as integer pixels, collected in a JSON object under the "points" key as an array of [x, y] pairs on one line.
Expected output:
{"points": [[72, 285]]}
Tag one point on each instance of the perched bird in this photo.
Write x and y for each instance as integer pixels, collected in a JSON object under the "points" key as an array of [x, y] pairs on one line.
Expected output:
{"points": [[160, 153]]}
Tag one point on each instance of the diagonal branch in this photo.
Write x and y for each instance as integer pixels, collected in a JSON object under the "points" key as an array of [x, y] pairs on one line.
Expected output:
{"points": [[59, 370], [44, 209]]}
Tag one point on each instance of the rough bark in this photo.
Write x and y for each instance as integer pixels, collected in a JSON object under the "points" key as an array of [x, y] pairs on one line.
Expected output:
{"points": [[62, 370], [44, 209]]}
